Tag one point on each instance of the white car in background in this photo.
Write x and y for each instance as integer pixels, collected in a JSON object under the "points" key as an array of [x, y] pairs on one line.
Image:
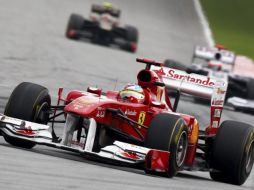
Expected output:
{"points": [[220, 63]]}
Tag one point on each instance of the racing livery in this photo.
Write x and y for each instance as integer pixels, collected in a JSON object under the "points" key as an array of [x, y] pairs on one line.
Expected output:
{"points": [[103, 27], [137, 126], [219, 62]]}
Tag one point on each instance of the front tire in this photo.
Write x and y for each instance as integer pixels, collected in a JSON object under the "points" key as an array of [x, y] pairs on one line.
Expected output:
{"points": [[75, 22], [28, 102], [250, 88], [169, 133], [233, 153]]}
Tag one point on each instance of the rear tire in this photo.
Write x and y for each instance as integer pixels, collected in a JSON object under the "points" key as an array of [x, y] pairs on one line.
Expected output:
{"points": [[131, 39], [75, 22], [28, 102], [250, 89], [233, 153], [169, 133], [131, 34]]}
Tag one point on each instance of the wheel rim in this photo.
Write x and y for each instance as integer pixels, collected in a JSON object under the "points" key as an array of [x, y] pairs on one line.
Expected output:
{"points": [[181, 148], [42, 115], [249, 158]]}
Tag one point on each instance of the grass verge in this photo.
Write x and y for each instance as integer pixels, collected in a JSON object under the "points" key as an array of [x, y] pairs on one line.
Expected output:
{"points": [[232, 24]]}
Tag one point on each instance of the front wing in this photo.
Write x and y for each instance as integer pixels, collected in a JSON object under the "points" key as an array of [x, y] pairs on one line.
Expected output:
{"points": [[119, 152]]}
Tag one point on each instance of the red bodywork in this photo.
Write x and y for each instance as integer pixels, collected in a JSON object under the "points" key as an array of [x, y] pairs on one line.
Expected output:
{"points": [[92, 104]]}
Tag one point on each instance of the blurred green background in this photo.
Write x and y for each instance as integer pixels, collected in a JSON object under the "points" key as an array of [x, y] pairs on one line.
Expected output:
{"points": [[232, 24]]}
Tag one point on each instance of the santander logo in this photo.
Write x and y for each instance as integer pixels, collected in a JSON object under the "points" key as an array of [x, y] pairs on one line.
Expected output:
{"points": [[206, 81]]}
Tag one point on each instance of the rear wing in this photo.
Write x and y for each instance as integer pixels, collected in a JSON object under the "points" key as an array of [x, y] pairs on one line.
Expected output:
{"points": [[214, 53], [197, 85], [193, 84]]}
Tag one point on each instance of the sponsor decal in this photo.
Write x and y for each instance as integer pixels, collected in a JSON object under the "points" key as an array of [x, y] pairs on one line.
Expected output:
{"points": [[77, 106], [220, 91], [130, 155], [217, 113], [130, 112], [160, 71], [79, 103], [217, 102], [100, 112], [215, 124], [26, 131], [141, 118], [86, 101], [206, 81]]}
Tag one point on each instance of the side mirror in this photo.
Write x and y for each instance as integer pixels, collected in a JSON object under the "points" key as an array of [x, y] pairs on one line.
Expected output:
{"points": [[94, 90], [156, 83]]}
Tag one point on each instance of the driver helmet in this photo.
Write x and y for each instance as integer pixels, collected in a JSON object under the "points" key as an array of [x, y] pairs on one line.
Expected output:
{"points": [[107, 5], [132, 93]]}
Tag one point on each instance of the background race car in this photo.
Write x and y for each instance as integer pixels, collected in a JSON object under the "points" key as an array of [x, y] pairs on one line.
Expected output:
{"points": [[219, 62], [137, 126], [103, 27]]}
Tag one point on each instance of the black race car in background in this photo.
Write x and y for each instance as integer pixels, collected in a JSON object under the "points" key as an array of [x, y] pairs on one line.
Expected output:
{"points": [[220, 63], [103, 27]]}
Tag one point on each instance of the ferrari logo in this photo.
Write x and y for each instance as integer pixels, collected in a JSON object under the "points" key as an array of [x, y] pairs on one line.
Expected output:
{"points": [[141, 117]]}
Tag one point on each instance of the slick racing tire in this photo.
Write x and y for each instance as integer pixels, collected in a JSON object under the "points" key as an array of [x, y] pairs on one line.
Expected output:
{"points": [[174, 65], [233, 153], [75, 22], [28, 102], [169, 133], [131, 34], [250, 89], [131, 39]]}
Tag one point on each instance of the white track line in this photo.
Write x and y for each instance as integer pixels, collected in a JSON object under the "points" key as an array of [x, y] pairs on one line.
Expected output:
{"points": [[4, 85], [204, 23]]}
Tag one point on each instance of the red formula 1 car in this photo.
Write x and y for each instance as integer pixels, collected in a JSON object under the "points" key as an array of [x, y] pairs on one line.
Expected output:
{"points": [[136, 126], [103, 27]]}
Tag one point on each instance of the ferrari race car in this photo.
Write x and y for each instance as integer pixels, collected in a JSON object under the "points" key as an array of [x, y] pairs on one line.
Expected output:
{"points": [[219, 62], [137, 126], [103, 27]]}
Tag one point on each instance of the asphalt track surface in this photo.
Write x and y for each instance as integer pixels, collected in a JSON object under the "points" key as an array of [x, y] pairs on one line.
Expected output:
{"points": [[33, 48]]}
